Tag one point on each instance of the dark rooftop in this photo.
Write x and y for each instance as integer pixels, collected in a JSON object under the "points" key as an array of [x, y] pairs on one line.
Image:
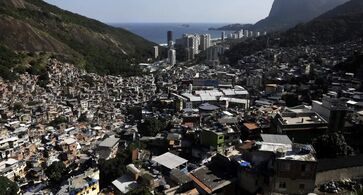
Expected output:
{"points": [[211, 179]]}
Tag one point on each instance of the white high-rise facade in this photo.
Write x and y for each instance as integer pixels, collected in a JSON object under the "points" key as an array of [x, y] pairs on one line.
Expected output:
{"points": [[190, 43], [156, 52], [205, 42], [172, 57]]}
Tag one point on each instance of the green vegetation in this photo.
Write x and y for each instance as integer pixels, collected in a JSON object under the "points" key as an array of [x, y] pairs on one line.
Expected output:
{"points": [[57, 121], [332, 146], [143, 190], [151, 127], [83, 118], [18, 106], [12, 63], [7, 61], [8, 187], [343, 23], [55, 172], [112, 169], [353, 64], [73, 38], [43, 79], [291, 99]]}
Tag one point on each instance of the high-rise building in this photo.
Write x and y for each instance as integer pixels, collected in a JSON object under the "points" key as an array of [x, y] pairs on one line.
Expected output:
{"points": [[332, 109], [170, 38], [156, 52], [205, 42], [172, 57], [213, 54], [190, 43], [247, 33], [223, 35], [240, 34]]}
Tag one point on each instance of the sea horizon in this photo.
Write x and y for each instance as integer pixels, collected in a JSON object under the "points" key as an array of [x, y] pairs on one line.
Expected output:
{"points": [[156, 32]]}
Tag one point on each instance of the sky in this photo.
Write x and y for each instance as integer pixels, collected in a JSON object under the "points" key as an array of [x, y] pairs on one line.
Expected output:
{"points": [[183, 11]]}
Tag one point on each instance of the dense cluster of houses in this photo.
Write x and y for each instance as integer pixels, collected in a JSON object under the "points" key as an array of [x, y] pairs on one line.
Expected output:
{"points": [[229, 130]]}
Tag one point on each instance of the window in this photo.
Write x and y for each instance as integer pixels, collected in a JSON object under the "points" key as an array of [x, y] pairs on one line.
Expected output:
{"points": [[303, 168], [286, 166], [282, 185], [302, 186]]}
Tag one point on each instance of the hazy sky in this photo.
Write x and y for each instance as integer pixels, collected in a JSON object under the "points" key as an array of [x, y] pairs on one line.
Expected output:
{"points": [[230, 11]]}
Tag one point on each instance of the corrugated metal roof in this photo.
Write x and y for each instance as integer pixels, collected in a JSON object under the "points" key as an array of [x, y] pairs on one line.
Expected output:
{"points": [[169, 160], [109, 142], [279, 139]]}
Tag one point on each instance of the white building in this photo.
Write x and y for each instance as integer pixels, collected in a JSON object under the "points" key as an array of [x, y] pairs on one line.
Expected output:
{"points": [[213, 54], [190, 43], [172, 57], [156, 52], [246, 33], [333, 110], [240, 34], [205, 42]]}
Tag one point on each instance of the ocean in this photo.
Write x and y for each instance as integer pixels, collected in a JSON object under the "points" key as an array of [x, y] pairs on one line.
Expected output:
{"points": [[156, 32]]}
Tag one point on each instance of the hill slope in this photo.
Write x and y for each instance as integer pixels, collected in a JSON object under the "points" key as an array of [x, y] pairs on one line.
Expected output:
{"points": [[35, 26], [343, 23], [285, 14]]}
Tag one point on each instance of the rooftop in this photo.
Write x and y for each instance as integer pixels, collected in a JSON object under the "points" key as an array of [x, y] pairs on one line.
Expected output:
{"points": [[292, 118], [169, 160], [271, 138], [208, 107], [210, 179], [125, 183], [298, 152], [84, 180], [192, 97], [251, 126], [109, 142], [70, 141]]}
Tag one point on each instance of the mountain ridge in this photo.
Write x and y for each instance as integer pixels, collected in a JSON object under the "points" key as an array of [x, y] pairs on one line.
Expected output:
{"points": [[343, 23], [36, 26], [286, 14]]}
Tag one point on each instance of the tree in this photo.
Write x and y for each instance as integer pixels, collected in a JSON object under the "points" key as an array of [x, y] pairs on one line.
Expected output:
{"points": [[57, 121], [55, 171], [18, 106], [6, 74], [150, 127], [31, 175], [332, 146], [43, 79], [63, 156], [114, 168], [7, 187], [135, 111], [291, 99], [142, 190], [83, 118]]}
